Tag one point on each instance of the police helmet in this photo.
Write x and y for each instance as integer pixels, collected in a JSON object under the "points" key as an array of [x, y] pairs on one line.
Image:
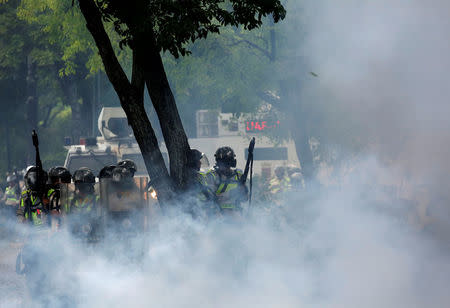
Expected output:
{"points": [[83, 175], [129, 164], [32, 181], [225, 157], [194, 157], [280, 171], [106, 172], [121, 174], [59, 173], [11, 178]]}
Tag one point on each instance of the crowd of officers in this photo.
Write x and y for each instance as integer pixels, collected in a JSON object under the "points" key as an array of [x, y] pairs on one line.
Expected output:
{"points": [[217, 192]]}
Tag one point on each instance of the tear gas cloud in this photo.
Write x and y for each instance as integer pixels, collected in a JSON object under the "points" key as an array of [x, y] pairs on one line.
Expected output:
{"points": [[384, 63]]}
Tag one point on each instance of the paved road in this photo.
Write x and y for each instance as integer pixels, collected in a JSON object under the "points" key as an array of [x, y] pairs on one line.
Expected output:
{"points": [[12, 286]]}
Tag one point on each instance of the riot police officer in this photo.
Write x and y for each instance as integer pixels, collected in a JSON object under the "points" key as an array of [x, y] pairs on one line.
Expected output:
{"points": [[84, 199], [32, 206], [106, 172], [128, 164], [124, 207], [224, 181], [81, 210], [200, 199], [280, 182], [57, 176], [11, 197], [278, 185]]}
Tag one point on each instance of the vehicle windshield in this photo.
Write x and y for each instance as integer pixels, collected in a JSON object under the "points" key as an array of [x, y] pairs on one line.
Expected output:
{"points": [[94, 162]]}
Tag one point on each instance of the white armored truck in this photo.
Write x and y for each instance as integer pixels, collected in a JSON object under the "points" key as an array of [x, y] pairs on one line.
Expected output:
{"points": [[214, 129], [115, 143]]}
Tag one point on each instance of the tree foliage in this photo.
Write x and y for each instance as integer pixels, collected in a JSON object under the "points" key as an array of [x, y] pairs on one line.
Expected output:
{"points": [[176, 23]]}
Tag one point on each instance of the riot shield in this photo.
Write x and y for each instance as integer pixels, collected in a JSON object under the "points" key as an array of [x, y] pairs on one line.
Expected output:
{"points": [[66, 194], [125, 206], [82, 212]]}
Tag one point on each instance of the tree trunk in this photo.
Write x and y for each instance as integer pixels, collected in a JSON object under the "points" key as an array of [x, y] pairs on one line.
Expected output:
{"points": [[165, 106], [299, 130], [148, 144], [131, 96], [32, 104]]}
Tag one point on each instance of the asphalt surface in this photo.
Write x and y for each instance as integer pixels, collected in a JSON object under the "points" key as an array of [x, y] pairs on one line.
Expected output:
{"points": [[13, 292]]}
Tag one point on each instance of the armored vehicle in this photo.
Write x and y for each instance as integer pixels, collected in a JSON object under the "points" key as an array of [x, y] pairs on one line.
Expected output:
{"points": [[115, 143], [214, 129]]}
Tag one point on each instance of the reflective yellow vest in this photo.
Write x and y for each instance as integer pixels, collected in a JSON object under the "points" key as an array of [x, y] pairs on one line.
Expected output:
{"points": [[228, 196], [82, 205], [11, 196], [29, 203]]}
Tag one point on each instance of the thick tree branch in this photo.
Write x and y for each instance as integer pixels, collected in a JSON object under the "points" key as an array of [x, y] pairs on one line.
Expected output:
{"points": [[131, 96], [171, 126], [137, 75]]}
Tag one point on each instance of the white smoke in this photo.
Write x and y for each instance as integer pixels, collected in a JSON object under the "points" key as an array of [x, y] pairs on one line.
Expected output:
{"points": [[339, 247], [352, 244]]}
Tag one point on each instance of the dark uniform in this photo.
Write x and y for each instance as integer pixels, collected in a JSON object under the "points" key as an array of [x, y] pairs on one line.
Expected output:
{"points": [[224, 181]]}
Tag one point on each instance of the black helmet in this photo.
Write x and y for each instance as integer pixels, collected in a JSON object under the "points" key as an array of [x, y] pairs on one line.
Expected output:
{"points": [[280, 171], [129, 164], [31, 178], [106, 172], [225, 157], [121, 174], [194, 157], [83, 175], [59, 172]]}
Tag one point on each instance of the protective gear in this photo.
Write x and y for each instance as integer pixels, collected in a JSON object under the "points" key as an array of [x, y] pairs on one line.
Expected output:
{"points": [[121, 174], [84, 180], [225, 157], [128, 164], [280, 172], [59, 173], [106, 172], [82, 204], [31, 179], [194, 157], [32, 208], [12, 196], [278, 185], [83, 175], [11, 178], [228, 190]]}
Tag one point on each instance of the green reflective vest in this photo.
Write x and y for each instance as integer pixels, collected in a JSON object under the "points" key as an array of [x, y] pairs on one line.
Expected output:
{"points": [[82, 204], [277, 185], [227, 189], [32, 204], [11, 195]]}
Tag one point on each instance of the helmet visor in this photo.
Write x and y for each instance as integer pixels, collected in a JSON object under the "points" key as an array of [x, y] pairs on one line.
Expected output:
{"points": [[32, 179]]}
